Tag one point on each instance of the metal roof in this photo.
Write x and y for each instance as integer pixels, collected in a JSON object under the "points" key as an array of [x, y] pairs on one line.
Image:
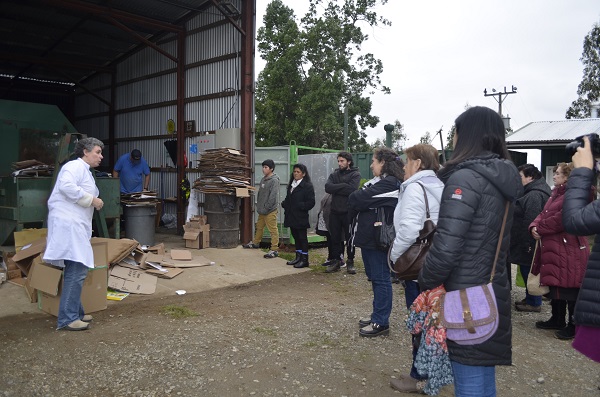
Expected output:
{"points": [[66, 41], [551, 133]]}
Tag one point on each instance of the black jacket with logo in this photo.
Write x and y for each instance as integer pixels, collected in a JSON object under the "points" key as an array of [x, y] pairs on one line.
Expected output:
{"points": [[471, 212]]}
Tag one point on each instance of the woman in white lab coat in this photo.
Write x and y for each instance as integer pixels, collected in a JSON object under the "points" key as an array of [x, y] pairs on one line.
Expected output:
{"points": [[70, 211]]}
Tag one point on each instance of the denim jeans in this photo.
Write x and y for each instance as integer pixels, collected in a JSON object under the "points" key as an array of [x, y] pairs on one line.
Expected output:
{"points": [[379, 273], [411, 291], [70, 308], [529, 299], [473, 381]]}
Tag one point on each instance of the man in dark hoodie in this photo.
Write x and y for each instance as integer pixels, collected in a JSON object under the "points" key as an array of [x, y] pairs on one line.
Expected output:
{"points": [[522, 244], [340, 184], [266, 206]]}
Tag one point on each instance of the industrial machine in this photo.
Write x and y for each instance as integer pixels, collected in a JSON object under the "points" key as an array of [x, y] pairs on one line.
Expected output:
{"points": [[33, 131]]}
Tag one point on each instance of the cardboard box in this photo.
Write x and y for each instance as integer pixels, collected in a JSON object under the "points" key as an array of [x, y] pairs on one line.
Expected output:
{"points": [[24, 258], [196, 236], [181, 255], [199, 220], [131, 280], [26, 236], [47, 280]]}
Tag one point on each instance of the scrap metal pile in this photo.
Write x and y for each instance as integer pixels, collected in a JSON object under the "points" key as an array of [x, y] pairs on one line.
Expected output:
{"points": [[223, 171]]}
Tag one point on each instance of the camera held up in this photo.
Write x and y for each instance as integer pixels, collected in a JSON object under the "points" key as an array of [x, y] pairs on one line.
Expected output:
{"points": [[571, 148]]}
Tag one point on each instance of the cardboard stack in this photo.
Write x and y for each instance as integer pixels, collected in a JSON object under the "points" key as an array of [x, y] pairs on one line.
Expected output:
{"points": [[197, 232], [224, 171]]}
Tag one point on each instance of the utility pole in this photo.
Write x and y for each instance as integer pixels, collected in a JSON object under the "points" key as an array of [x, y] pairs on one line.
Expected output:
{"points": [[501, 96]]}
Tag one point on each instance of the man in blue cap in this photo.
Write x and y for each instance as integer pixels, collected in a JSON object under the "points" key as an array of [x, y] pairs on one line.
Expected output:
{"points": [[133, 171]]}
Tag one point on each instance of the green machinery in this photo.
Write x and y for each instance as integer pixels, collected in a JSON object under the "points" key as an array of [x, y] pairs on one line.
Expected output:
{"points": [[41, 132]]}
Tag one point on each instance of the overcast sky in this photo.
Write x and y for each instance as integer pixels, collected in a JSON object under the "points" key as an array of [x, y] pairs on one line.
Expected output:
{"points": [[439, 55]]}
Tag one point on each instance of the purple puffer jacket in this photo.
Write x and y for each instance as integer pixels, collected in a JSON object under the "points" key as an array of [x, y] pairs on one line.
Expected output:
{"points": [[562, 258]]}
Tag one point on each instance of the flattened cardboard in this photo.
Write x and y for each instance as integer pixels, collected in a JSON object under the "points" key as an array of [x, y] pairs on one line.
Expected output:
{"points": [[100, 249], [117, 248], [171, 273], [197, 261], [26, 236], [181, 255], [130, 280], [157, 249]]}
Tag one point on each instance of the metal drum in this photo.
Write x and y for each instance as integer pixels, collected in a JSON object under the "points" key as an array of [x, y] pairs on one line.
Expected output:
{"points": [[223, 216], [140, 221]]}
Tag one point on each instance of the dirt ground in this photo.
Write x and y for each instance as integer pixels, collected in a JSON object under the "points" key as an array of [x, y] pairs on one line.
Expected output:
{"points": [[289, 336]]}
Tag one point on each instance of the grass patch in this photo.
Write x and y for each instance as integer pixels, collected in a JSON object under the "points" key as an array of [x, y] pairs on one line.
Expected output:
{"points": [[265, 331], [319, 340], [178, 311]]}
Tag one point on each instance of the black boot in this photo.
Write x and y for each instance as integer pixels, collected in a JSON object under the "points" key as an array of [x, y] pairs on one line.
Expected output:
{"points": [[303, 262], [568, 332], [350, 269], [294, 261], [557, 320]]}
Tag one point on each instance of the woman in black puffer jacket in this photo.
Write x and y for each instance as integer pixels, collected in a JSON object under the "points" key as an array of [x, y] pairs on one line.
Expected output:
{"points": [[479, 180], [379, 193], [582, 218]]}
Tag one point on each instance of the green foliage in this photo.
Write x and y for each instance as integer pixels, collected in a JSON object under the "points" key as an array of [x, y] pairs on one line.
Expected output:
{"points": [[589, 88], [314, 71], [450, 138], [426, 138]]}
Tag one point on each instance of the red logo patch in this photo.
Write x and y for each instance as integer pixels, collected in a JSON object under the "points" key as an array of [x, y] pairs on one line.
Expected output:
{"points": [[458, 191]]}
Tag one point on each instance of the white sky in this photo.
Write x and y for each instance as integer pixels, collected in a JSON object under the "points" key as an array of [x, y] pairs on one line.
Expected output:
{"points": [[439, 55]]}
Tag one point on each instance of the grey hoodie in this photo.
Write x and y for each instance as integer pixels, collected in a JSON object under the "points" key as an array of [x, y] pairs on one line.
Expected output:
{"points": [[268, 191]]}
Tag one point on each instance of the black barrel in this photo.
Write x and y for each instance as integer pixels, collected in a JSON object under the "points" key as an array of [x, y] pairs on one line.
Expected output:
{"points": [[223, 216]]}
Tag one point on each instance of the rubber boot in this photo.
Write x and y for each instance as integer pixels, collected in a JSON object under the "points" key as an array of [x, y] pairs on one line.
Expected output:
{"points": [[557, 320], [303, 261], [294, 261], [350, 269]]}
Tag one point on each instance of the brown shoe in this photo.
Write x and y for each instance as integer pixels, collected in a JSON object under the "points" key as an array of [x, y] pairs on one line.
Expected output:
{"points": [[405, 384], [528, 308]]}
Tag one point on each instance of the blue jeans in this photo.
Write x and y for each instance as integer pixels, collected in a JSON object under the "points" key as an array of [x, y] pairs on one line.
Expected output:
{"points": [[411, 291], [473, 381], [70, 308], [529, 299], [379, 273]]}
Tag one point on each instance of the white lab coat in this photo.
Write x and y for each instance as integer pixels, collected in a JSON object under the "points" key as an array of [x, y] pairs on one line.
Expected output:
{"points": [[410, 213], [70, 215]]}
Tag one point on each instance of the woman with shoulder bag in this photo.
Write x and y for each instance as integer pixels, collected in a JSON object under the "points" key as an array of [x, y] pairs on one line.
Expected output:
{"points": [[410, 215], [380, 193], [561, 259], [479, 181]]}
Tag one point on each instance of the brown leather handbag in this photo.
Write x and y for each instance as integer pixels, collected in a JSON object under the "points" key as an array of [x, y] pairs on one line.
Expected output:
{"points": [[411, 261]]}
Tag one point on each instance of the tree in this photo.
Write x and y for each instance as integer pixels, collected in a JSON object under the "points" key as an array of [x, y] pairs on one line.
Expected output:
{"points": [[398, 138], [426, 138], [316, 71], [450, 138], [589, 88]]}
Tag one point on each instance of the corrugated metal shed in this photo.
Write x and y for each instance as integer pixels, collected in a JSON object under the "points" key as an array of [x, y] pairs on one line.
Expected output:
{"points": [[540, 134]]}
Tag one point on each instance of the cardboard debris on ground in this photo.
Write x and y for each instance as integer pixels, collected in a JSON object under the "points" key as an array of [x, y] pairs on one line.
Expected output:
{"points": [[181, 255], [130, 280], [169, 273], [27, 236], [197, 232]]}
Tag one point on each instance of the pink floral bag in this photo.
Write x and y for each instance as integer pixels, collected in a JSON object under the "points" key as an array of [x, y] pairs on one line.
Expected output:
{"points": [[470, 315]]}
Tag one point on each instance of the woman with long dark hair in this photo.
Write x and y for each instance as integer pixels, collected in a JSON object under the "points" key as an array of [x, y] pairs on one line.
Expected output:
{"points": [[299, 200], [379, 193], [479, 180]]}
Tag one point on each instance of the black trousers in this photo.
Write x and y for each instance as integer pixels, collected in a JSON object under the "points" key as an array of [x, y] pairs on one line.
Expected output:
{"points": [[301, 238], [339, 228]]}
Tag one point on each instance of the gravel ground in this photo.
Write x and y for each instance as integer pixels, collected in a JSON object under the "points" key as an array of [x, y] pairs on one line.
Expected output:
{"points": [[290, 336]]}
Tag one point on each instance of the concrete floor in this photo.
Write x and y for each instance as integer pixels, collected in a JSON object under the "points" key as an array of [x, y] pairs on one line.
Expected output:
{"points": [[233, 266]]}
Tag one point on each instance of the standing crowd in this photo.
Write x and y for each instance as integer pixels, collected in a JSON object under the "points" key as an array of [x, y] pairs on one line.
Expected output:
{"points": [[487, 214]]}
